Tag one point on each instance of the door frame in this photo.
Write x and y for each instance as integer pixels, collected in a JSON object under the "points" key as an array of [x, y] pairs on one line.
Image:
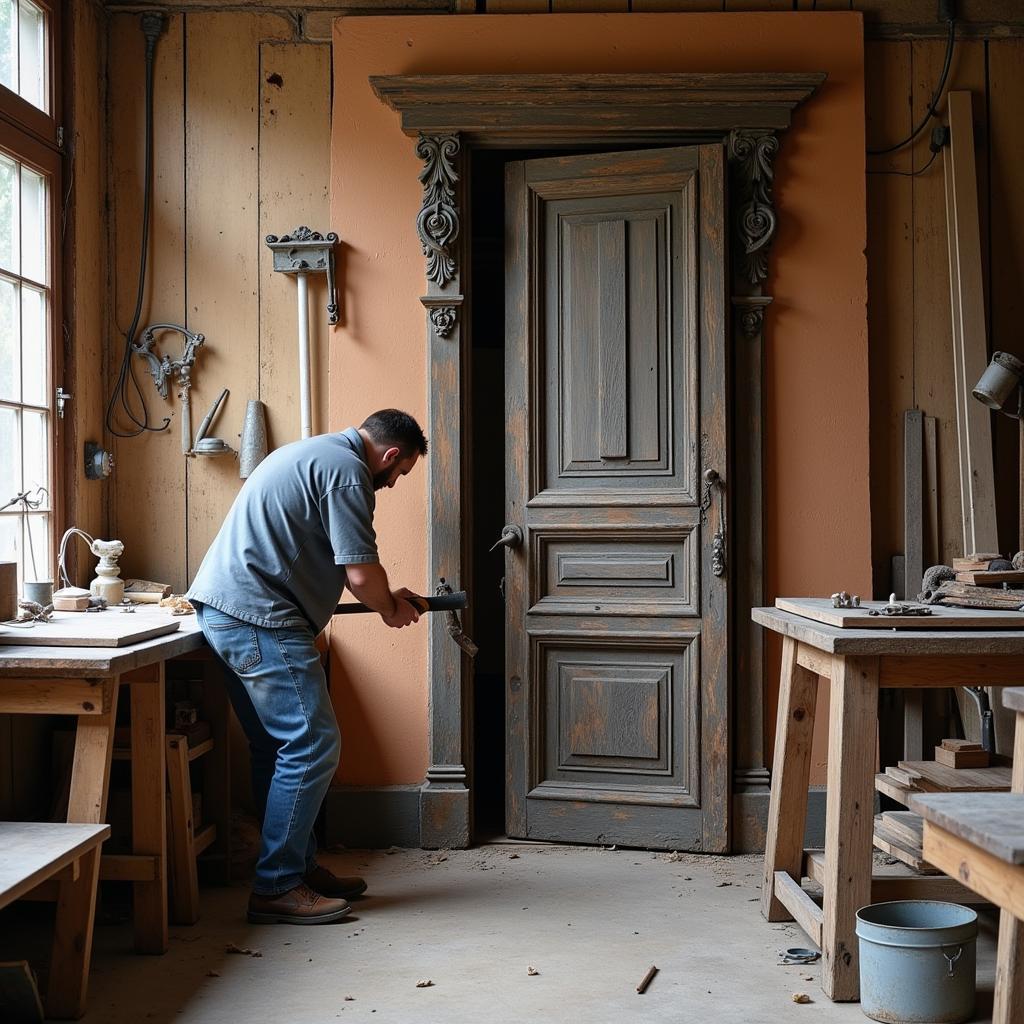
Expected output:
{"points": [[448, 115]]}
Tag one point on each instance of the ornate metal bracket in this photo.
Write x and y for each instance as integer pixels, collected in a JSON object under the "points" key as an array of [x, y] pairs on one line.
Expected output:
{"points": [[443, 311], [751, 154], [303, 252], [438, 220]]}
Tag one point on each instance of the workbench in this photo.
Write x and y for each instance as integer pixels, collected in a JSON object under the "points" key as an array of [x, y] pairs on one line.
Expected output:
{"points": [[84, 682], [857, 662]]}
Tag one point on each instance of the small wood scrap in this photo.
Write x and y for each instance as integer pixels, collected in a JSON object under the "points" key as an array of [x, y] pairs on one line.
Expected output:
{"points": [[967, 595], [146, 591], [532, 971], [975, 563], [177, 604], [424, 983], [801, 997], [962, 754], [646, 979], [985, 578], [231, 947]]}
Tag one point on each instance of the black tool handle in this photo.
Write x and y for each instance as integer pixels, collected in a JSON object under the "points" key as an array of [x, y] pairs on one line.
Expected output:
{"points": [[440, 603]]}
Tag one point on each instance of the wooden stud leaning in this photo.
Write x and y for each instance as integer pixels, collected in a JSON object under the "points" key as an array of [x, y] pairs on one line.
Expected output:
{"points": [[970, 352]]}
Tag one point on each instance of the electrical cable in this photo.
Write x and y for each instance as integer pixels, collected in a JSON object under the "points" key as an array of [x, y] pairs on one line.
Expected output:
{"points": [[152, 27], [911, 174], [936, 96]]}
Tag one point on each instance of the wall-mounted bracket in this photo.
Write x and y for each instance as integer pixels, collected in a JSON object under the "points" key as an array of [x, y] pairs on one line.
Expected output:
{"points": [[308, 252]]}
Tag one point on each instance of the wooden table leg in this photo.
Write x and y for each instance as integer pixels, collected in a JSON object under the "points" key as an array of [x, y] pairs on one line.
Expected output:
{"points": [[72, 941], [149, 818], [849, 819], [1008, 1007], [90, 770], [787, 809]]}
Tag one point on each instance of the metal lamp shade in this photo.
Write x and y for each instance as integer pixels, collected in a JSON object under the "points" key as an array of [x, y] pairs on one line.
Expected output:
{"points": [[1001, 379]]}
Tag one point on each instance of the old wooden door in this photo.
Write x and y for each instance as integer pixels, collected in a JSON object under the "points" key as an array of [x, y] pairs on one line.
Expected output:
{"points": [[617, 670]]}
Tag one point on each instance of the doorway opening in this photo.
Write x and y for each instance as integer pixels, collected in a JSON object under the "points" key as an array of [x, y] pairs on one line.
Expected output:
{"points": [[487, 501]]}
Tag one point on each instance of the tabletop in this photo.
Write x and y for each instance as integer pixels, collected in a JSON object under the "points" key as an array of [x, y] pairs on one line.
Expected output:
{"points": [[902, 641], [95, 662], [992, 821]]}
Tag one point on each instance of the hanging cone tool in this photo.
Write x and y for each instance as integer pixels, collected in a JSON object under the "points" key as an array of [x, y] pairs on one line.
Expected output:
{"points": [[254, 438]]}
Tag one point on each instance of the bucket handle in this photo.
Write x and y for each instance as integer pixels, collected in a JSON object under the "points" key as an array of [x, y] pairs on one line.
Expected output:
{"points": [[951, 960]]}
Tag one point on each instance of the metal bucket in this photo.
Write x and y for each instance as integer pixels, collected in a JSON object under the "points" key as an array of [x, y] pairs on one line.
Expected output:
{"points": [[917, 962]]}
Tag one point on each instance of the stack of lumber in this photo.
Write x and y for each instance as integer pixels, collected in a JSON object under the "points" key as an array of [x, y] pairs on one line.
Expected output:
{"points": [[900, 834], [932, 777], [983, 581]]}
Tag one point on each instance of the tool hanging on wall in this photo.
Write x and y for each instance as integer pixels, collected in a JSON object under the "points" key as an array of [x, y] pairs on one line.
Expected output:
{"points": [[164, 369], [302, 253], [211, 445]]}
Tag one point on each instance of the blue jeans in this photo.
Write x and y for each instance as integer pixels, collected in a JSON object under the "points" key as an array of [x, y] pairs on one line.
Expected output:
{"points": [[278, 689]]}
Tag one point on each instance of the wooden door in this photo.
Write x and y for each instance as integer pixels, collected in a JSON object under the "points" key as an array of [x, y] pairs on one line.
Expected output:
{"points": [[617, 645]]}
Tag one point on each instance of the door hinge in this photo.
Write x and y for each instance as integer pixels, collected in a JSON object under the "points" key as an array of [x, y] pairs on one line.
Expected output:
{"points": [[62, 399], [60, 136]]}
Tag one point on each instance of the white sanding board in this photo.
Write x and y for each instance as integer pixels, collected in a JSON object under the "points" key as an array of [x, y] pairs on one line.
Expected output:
{"points": [[820, 609], [90, 629]]}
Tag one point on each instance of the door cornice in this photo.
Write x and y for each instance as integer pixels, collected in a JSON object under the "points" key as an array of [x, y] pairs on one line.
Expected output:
{"points": [[496, 110]]}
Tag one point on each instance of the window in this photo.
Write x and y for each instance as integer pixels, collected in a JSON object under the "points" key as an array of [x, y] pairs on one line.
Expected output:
{"points": [[29, 309]]}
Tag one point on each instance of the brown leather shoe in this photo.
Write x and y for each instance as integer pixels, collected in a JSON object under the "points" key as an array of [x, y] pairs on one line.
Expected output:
{"points": [[327, 883], [297, 906]]}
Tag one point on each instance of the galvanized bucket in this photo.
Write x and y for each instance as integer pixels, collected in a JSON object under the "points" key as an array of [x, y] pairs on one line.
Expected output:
{"points": [[917, 962]]}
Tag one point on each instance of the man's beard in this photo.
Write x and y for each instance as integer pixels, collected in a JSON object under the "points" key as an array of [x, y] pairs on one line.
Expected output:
{"points": [[381, 479]]}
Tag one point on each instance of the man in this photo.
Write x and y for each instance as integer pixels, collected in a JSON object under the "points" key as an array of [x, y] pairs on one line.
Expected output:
{"points": [[299, 532]]}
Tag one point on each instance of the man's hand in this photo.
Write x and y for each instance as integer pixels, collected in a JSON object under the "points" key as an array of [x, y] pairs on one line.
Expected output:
{"points": [[405, 612]]}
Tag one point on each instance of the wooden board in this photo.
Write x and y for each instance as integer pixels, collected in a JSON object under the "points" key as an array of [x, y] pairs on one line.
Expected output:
{"points": [[992, 821], [819, 609], [81, 629], [895, 845], [937, 778], [905, 824], [982, 578], [31, 852], [962, 758]]}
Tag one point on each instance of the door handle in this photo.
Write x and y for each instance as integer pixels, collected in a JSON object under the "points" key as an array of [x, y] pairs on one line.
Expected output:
{"points": [[511, 537], [713, 481]]}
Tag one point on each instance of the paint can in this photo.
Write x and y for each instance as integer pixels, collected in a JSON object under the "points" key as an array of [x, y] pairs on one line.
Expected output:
{"points": [[917, 962], [40, 591]]}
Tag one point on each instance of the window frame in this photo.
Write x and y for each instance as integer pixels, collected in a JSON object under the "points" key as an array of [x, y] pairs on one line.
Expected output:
{"points": [[17, 111], [30, 136]]}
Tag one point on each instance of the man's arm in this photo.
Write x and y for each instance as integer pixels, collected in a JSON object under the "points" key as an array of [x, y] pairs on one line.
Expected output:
{"points": [[369, 583]]}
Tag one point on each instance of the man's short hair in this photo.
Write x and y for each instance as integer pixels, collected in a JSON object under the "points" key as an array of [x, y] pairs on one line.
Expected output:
{"points": [[392, 428]]}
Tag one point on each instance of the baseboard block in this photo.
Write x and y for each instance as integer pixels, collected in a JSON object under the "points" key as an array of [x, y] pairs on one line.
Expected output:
{"points": [[372, 817]]}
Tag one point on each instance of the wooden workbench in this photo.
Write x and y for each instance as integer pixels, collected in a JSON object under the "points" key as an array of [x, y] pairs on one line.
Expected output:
{"points": [[84, 682], [857, 662]]}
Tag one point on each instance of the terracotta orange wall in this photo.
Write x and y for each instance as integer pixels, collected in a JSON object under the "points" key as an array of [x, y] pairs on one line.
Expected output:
{"points": [[816, 485]]}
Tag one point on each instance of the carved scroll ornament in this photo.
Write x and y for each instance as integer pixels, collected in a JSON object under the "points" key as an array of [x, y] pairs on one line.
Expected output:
{"points": [[438, 220], [751, 154]]}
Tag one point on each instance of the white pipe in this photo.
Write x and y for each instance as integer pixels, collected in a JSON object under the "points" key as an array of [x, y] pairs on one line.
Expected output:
{"points": [[304, 407]]}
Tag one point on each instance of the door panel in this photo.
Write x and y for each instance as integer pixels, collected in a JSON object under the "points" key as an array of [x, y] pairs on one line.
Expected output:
{"points": [[615, 374]]}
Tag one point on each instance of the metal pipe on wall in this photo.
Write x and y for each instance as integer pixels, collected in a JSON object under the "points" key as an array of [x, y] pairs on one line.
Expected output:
{"points": [[305, 414]]}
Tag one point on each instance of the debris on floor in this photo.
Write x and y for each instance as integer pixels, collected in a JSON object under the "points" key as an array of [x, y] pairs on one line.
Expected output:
{"points": [[243, 950], [801, 997], [646, 980], [532, 971], [424, 983]]}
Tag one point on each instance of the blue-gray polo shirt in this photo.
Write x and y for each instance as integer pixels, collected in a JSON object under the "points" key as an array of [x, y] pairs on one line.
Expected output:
{"points": [[305, 513]]}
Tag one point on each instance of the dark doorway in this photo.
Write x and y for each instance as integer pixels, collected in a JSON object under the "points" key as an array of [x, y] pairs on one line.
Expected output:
{"points": [[487, 416]]}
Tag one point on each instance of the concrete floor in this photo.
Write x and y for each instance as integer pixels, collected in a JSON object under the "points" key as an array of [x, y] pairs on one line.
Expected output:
{"points": [[590, 921]]}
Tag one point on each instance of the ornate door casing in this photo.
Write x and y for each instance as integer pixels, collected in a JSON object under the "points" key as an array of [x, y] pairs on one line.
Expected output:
{"points": [[449, 114]]}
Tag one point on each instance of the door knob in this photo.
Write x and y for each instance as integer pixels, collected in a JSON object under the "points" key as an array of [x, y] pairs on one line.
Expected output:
{"points": [[511, 537]]}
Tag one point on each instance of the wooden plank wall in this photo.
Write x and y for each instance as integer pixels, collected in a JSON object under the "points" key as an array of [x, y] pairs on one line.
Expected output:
{"points": [[241, 150]]}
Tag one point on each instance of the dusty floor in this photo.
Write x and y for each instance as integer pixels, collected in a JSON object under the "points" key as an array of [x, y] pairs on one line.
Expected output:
{"points": [[589, 921]]}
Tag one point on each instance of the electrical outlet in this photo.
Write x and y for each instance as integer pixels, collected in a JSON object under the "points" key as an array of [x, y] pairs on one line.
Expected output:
{"points": [[99, 464]]}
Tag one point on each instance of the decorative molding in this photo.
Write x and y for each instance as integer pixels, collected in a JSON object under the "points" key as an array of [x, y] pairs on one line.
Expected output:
{"points": [[602, 108], [442, 318], [750, 313], [751, 154], [438, 220]]}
